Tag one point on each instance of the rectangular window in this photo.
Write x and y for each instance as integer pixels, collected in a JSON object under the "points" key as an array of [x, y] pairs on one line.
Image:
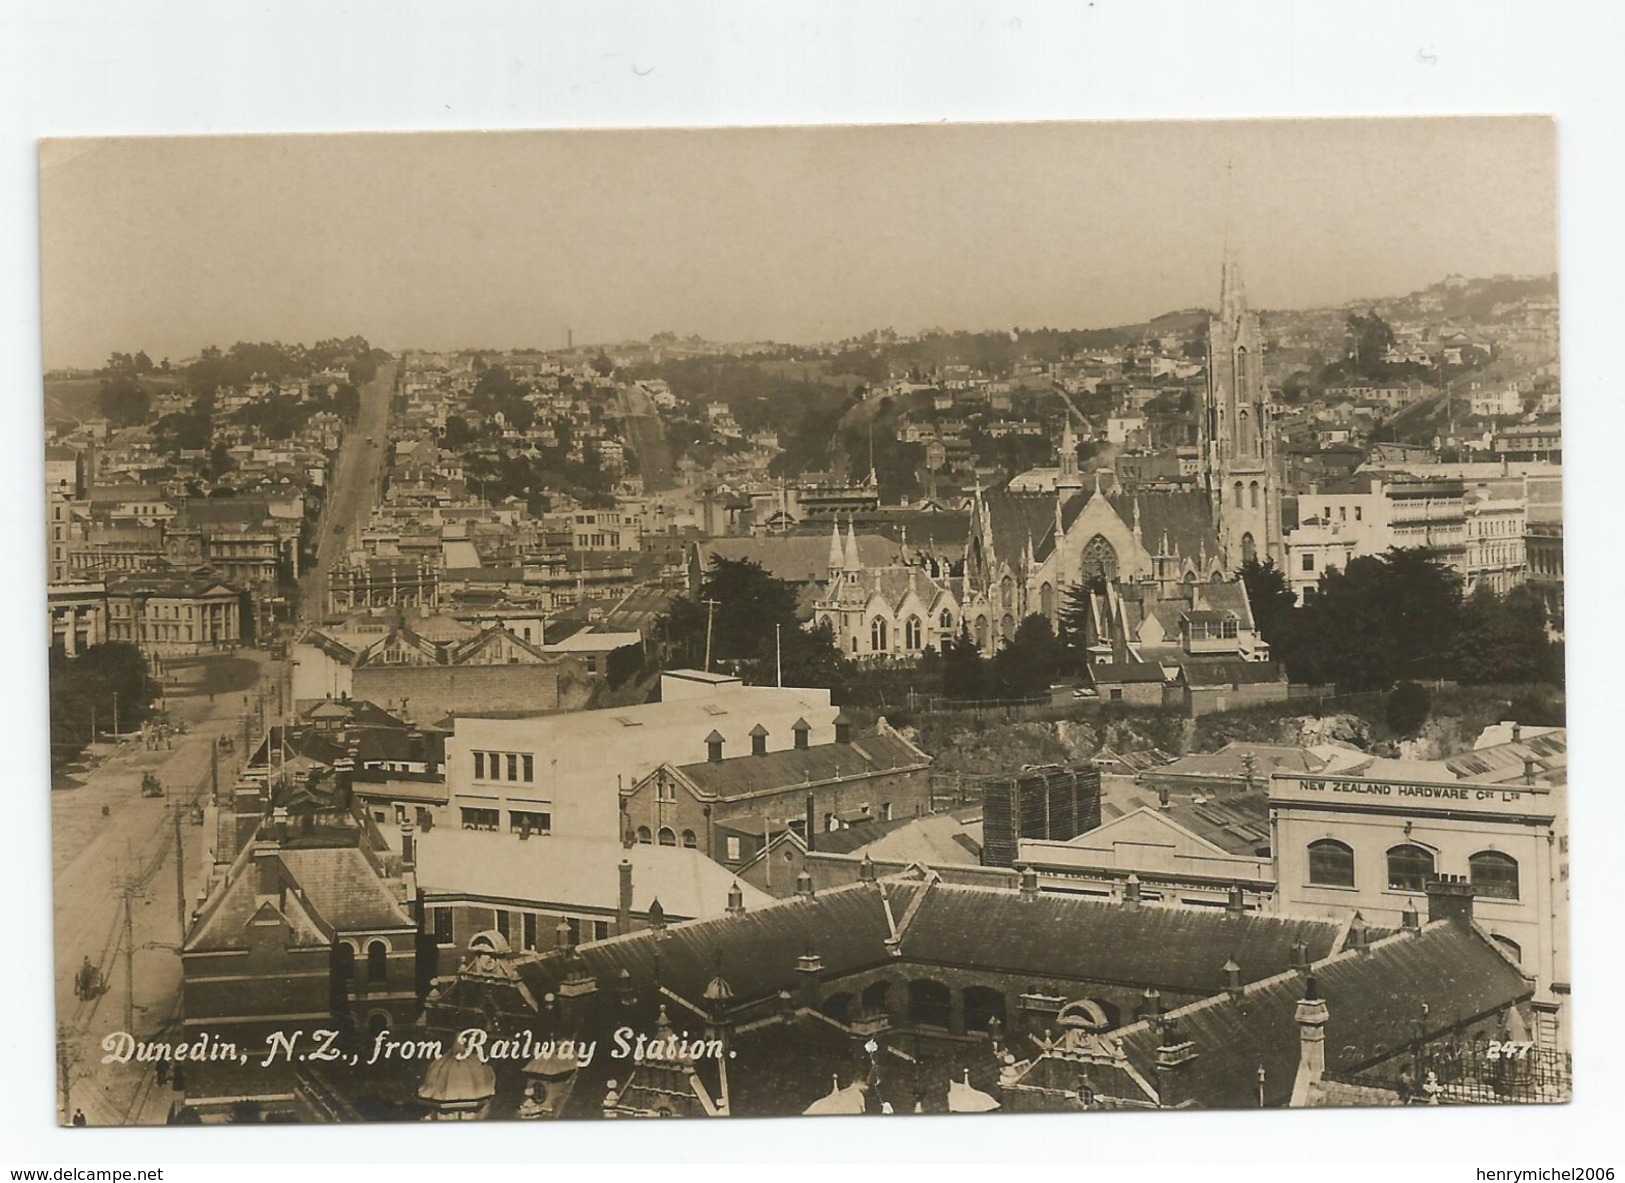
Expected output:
{"points": [[513, 766], [530, 930], [1116, 694], [575, 929], [600, 930], [503, 923], [441, 919], [1308, 562], [479, 765], [733, 850], [482, 819], [530, 767], [1342, 513], [521, 821]]}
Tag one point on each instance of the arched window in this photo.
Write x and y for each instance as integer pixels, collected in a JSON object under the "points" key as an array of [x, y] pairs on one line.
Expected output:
{"points": [[667, 836], [690, 839], [1494, 874], [344, 960], [876, 1002], [838, 1007], [1249, 548], [377, 961], [913, 631], [1007, 592], [877, 634], [1046, 600], [644, 836], [1099, 560], [982, 1005], [1007, 627], [1238, 495], [945, 622], [1252, 495], [1409, 868], [1331, 863], [981, 632], [929, 1003]]}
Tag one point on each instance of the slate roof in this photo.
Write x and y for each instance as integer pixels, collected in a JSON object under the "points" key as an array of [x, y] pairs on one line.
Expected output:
{"points": [[795, 558], [1184, 517], [1177, 949], [1375, 1002], [1126, 671], [737, 775]]}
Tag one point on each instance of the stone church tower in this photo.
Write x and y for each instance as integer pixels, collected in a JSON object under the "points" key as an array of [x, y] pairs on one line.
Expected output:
{"points": [[1238, 431]]}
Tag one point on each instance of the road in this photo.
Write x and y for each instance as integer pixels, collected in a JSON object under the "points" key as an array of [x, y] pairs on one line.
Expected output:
{"points": [[96, 855], [357, 479], [646, 435]]}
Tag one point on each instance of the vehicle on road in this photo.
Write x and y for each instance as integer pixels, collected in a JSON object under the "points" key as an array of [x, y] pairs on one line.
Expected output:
{"points": [[151, 786]]}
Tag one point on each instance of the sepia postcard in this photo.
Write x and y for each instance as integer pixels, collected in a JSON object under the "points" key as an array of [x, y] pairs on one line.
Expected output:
{"points": [[1028, 618]]}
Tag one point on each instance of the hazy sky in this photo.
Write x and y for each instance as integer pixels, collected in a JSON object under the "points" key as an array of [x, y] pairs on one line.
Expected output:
{"points": [[503, 239]]}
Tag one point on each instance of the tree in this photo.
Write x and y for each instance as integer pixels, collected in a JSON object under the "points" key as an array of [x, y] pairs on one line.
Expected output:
{"points": [[1076, 618], [1270, 595], [1408, 707], [964, 673], [123, 401], [603, 365], [1026, 666]]}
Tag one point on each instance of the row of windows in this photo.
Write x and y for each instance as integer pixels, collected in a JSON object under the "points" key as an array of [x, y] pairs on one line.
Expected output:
{"points": [[520, 821], [1409, 867], [377, 961], [519, 766], [666, 836], [530, 928]]}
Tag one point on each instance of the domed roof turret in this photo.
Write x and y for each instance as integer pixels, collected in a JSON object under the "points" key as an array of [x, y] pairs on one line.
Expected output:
{"points": [[454, 1083]]}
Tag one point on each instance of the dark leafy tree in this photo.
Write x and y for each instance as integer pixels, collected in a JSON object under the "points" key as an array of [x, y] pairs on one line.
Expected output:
{"points": [[1407, 709], [1026, 666], [123, 401], [1270, 595], [964, 673]]}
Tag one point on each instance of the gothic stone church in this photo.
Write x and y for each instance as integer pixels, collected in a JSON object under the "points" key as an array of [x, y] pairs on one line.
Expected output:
{"points": [[1161, 564]]}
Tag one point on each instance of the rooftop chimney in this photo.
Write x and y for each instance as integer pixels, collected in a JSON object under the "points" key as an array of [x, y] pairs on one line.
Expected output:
{"points": [[736, 900], [808, 966], [804, 884], [713, 747], [561, 935], [1162, 797], [1235, 903], [1300, 954], [1517, 732], [1528, 770], [409, 846], [1029, 885], [1131, 891], [811, 826], [1311, 1016], [623, 914], [866, 869], [1410, 920], [1172, 1055], [1450, 897], [843, 728], [801, 728], [1232, 978], [1152, 1004], [758, 740]]}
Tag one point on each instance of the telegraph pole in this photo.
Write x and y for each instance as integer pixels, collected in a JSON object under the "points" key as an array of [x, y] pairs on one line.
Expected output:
{"points": [[710, 616], [129, 959], [175, 808]]}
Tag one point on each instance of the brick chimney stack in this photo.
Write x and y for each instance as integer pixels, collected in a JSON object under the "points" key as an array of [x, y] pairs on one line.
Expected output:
{"points": [[1311, 1017], [808, 968], [623, 913], [1450, 897], [811, 834]]}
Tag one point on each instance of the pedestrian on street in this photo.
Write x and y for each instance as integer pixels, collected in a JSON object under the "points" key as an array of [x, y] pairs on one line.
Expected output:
{"points": [[79, 1117]]}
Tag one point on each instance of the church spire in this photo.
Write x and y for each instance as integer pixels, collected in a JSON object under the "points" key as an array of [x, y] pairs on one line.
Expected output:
{"points": [[837, 556], [853, 563], [1067, 474]]}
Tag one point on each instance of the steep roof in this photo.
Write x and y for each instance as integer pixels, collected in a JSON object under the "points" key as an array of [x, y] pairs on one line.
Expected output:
{"points": [[1185, 518], [1173, 948], [1378, 1002], [879, 752], [794, 558]]}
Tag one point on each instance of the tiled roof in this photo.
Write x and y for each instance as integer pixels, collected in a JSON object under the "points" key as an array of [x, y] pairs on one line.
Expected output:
{"points": [[1185, 518], [1173, 948], [741, 774], [1441, 978], [795, 558]]}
